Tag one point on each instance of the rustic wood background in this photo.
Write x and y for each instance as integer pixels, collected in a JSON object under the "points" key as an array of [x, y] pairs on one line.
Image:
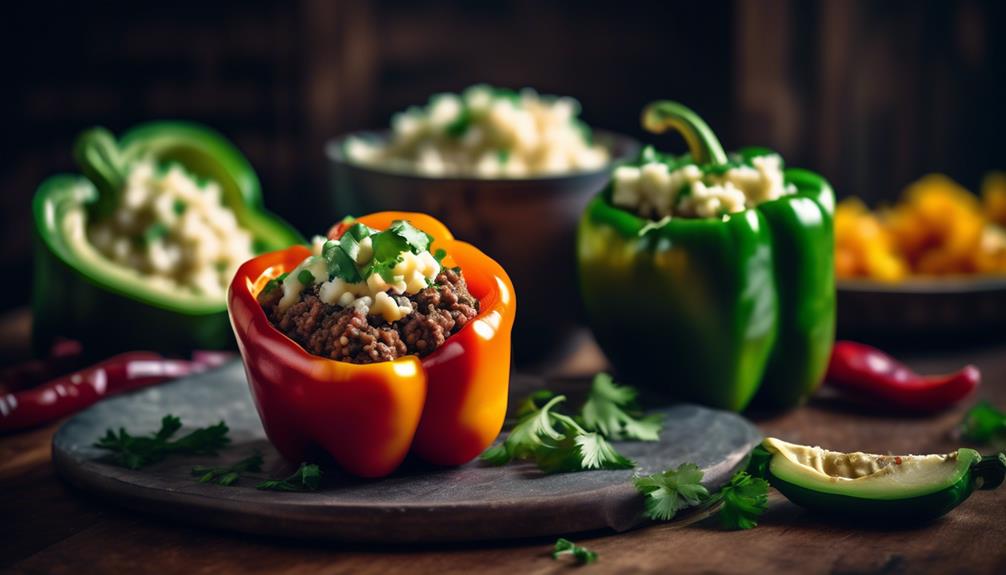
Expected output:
{"points": [[873, 94]]}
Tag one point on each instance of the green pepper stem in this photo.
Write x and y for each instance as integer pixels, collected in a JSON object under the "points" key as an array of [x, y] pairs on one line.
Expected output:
{"points": [[97, 154], [990, 471], [660, 116]]}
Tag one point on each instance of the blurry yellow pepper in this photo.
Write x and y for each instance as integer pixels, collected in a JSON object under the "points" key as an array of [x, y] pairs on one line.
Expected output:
{"points": [[938, 228]]}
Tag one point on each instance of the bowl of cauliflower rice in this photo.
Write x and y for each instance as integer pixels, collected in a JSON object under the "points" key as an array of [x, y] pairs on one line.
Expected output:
{"points": [[510, 171]]}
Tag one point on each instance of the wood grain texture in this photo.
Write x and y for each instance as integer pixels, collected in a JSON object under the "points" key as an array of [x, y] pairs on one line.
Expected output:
{"points": [[48, 528]]}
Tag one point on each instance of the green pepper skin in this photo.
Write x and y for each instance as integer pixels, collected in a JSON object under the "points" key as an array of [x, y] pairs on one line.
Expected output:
{"points": [[84, 299], [983, 473], [714, 310], [693, 299]]}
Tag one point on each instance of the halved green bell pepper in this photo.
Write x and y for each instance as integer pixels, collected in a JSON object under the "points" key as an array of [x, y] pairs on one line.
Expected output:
{"points": [[80, 294], [714, 310]]}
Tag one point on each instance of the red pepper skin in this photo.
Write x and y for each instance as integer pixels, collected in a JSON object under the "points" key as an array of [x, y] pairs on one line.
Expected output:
{"points": [[869, 373], [446, 407], [71, 393]]}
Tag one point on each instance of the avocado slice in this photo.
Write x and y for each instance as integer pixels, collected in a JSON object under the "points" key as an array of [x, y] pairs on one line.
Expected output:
{"points": [[891, 487]]}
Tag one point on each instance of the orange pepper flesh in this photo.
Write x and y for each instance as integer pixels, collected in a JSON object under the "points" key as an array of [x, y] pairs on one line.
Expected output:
{"points": [[446, 407]]}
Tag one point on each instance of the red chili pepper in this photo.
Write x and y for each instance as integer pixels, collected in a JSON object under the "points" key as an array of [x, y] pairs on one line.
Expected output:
{"points": [[869, 373], [71, 393]]}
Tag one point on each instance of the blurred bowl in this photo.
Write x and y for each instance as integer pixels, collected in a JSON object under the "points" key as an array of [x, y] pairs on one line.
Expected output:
{"points": [[528, 225], [923, 311]]}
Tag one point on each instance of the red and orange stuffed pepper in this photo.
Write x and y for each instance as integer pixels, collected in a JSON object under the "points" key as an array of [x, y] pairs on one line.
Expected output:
{"points": [[340, 354]]}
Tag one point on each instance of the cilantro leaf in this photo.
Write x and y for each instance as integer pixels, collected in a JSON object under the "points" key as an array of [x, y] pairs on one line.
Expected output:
{"points": [[340, 264], [534, 425], [417, 240], [579, 452], [555, 442], [460, 124], [580, 554], [275, 282], [154, 232], [230, 474], [388, 246], [306, 478], [134, 452], [305, 277], [439, 255], [983, 423], [671, 491], [745, 498], [612, 410]]}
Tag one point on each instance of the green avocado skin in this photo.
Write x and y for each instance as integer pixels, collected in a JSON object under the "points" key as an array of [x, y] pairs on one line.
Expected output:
{"points": [[920, 508]]}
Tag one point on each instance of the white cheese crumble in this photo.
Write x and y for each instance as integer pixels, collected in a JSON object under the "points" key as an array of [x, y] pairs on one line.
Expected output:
{"points": [[486, 134], [654, 191], [374, 295], [174, 231]]}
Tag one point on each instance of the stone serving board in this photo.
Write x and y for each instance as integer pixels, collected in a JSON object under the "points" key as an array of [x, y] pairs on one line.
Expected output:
{"points": [[418, 504]]}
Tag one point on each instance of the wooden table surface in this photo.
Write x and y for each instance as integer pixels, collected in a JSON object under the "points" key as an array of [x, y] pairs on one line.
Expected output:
{"points": [[48, 528]]}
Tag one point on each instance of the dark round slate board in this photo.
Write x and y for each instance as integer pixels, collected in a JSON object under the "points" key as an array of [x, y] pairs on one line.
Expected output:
{"points": [[417, 504]]}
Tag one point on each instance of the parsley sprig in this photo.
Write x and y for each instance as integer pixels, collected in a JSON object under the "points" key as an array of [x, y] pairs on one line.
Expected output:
{"points": [[984, 424], [744, 498], [228, 475], [555, 441], [580, 554], [612, 410], [134, 452], [306, 478]]}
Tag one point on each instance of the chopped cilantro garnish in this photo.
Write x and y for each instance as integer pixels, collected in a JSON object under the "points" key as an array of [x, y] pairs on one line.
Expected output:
{"points": [[154, 232], [306, 478], [340, 264], [744, 498], [556, 442], [983, 423], [439, 255], [179, 207], [305, 277], [275, 282], [671, 491], [612, 410], [460, 124], [135, 452], [417, 240], [580, 554], [228, 475], [503, 156]]}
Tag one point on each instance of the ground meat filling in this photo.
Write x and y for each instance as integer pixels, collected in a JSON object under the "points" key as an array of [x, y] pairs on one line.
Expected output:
{"points": [[349, 334]]}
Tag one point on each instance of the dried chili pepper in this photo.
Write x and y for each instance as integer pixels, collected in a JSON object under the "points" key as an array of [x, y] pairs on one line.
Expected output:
{"points": [[868, 373], [70, 393]]}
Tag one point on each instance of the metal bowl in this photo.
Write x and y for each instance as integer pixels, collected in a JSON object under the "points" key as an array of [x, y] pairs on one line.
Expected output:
{"points": [[935, 311], [528, 225]]}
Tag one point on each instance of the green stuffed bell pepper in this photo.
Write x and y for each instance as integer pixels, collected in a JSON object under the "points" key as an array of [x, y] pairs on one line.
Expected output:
{"points": [[710, 276], [137, 253]]}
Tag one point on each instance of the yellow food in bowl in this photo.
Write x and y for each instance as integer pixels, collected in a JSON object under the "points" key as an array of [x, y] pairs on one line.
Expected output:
{"points": [[937, 228]]}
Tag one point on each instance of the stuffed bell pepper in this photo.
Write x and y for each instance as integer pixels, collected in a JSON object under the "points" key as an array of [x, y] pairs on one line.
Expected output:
{"points": [[388, 337], [138, 252], [710, 276]]}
